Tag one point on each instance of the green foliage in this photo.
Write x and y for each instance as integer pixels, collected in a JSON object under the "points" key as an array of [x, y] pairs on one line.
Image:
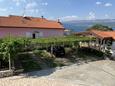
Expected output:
{"points": [[107, 51], [66, 41], [28, 63], [67, 50], [43, 54], [38, 52], [31, 65], [9, 48], [100, 27], [82, 52], [60, 40]]}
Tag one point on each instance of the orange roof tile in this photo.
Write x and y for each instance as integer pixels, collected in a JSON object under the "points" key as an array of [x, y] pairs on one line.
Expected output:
{"points": [[29, 22], [104, 34], [82, 33]]}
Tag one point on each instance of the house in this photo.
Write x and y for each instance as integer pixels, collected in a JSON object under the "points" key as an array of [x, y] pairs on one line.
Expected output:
{"points": [[82, 34], [104, 39], [32, 27], [67, 32]]}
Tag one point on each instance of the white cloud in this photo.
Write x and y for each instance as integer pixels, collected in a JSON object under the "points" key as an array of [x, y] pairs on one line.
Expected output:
{"points": [[36, 10], [18, 2], [107, 16], [11, 8], [31, 5], [98, 3], [44, 4], [69, 18], [91, 15], [108, 4], [3, 9]]}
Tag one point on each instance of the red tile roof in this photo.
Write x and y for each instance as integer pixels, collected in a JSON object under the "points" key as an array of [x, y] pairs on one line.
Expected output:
{"points": [[82, 33], [104, 34], [29, 22]]}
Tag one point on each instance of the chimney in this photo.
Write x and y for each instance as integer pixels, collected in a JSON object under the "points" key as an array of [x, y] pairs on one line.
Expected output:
{"points": [[58, 20], [42, 17], [24, 15]]}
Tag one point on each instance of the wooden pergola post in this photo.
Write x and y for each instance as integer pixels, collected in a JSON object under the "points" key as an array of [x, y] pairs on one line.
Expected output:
{"points": [[101, 42], [9, 62], [97, 43], [104, 45], [90, 42]]}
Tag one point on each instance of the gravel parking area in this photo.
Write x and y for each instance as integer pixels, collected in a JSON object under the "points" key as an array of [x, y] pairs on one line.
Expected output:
{"points": [[99, 73]]}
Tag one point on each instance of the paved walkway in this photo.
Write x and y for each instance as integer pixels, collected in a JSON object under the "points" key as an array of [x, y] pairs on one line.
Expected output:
{"points": [[100, 73]]}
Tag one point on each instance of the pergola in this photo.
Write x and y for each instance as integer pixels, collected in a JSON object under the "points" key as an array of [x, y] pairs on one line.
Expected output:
{"points": [[102, 38]]}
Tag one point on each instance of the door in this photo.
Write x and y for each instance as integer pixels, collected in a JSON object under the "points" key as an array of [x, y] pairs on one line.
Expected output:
{"points": [[34, 35]]}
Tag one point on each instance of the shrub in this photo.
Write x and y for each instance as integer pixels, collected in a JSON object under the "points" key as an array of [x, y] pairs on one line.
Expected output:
{"points": [[31, 66], [90, 52], [28, 63], [68, 50], [43, 54], [38, 52]]}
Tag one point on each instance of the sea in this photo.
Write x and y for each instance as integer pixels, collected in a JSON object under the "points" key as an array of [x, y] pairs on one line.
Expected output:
{"points": [[79, 28]]}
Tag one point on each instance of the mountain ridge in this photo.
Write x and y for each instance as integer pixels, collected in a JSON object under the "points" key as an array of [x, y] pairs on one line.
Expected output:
{"points": [[82, 25]]}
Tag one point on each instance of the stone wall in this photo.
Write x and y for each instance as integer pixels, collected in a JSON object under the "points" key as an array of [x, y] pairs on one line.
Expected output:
{"points": [[6, 73]]}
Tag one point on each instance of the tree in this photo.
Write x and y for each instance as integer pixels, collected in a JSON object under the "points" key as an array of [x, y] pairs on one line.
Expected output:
{"points": [[100, 27], [9, 49]]}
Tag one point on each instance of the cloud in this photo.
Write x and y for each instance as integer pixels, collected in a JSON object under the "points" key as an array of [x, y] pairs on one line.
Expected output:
{"points": [[91, 15], [3, 9], [69, 18], [18, 2], [107, 16], [98, 3], [44, 4], [108, 4], [11, 8], [33, 8], [31, 5]]}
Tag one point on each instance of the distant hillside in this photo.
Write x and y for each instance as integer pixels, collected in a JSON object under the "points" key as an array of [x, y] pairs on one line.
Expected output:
{"points": [[82, 25]]}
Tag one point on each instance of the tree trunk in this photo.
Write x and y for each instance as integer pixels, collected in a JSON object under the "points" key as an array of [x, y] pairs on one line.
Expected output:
{"points": [[9, 62]]}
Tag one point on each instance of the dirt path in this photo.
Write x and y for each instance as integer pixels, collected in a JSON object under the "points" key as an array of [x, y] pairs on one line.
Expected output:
{"points": [[100, 73]]}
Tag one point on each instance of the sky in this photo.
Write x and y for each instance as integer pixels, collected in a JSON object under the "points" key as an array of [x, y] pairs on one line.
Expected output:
{"points": [[66, 10]]}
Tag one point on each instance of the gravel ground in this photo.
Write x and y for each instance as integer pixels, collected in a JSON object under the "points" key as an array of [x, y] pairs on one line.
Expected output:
{"points": [[100, 73]]}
